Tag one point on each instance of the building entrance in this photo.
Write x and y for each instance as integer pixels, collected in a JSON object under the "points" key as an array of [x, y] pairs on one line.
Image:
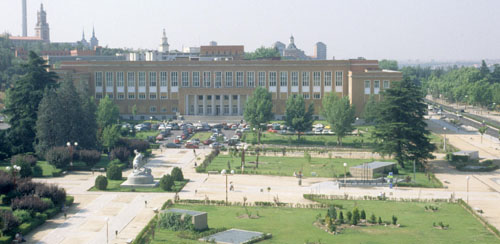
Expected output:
{"points": [[217, 109]]}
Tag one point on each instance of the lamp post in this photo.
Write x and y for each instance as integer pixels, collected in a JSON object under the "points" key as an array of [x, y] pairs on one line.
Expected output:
{"points": [[444, 142], [465, 105], [345, 173], [70, 146], [467, 177], [224, 172], [14, 169], [151, 119]]}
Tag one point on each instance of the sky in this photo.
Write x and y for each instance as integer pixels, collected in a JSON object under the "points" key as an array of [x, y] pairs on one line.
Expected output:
{"points": [[374, 29]]}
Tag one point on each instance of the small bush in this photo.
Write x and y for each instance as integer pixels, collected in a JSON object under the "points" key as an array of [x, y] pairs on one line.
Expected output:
{"points": [[54, 193], [363, 214], [37, 171], [349, 216], [26, 187], [121, 153], [22, 215], [177, 174], [6, 182], [341, 217], [167, 182], [101, 182], [30, 203], [394, 220], [90, 157], [59, 157], [373, 219], [175, 221], [25, 170], [20, 158], [133, 144], [379, 220], [9, 222], [114, 172]]}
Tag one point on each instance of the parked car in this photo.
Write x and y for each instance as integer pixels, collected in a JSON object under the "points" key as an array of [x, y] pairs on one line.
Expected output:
{"points": [[160, 137], [178, 140], [216, 145], [207, 142], [272, 131], [172, 145], [191, 146]]}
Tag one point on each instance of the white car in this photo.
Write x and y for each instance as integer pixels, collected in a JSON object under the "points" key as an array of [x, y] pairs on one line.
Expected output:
{"points": [[235, 137]]}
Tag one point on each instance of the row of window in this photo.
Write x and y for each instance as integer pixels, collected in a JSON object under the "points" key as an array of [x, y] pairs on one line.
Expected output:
{"points": [[376, 86], [228, 79], [152, 109], [163, 96]]}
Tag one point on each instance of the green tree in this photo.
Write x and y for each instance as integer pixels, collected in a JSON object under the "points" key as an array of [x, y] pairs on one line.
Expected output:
{"points": [[388, 64], [370, 111], [22, 103], [297, 116], [483, 130], [5, 147], [263, 52], [401, 129], [484, 70], [166, 182], [258, 109], [339, 114], [107, 113], [134, 110], [110, 136]]}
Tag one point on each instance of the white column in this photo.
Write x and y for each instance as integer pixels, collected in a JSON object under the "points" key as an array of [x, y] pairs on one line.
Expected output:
{"points": [[204, 104], [186, 111], [221, 112], [213, 104], [195, 104], [239, 105], [230, 104]]}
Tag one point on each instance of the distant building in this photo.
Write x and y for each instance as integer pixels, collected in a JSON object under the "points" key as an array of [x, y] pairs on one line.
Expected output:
{"points": [[212, 43], [42, 29], [280, 46], [94, 42], [292, 52], [320, 51], [164, 43], [232, 52]]}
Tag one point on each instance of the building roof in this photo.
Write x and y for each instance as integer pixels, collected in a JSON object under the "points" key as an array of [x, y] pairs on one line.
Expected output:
{"points": [[184, 211], [25, 38], [374, 165]]}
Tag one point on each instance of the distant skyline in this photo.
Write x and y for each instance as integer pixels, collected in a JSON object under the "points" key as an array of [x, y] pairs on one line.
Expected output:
{"points": [[390, 29]]}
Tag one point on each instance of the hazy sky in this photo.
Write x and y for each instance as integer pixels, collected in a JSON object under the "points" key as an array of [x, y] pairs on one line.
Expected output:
{"points": [[394, 29]]}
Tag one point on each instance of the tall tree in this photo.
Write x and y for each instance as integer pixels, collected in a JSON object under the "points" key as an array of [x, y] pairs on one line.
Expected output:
{"points": [[110, 136], [262, 52], [107, 113], [388, 64], [339, 113], [48, 122], [258, 109], [401, 129], [22, 102], [370, 112], [297, 116], [484, 70]]}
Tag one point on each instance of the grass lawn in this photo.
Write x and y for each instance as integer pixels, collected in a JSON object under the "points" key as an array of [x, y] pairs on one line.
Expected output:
{"points": [[47, 168], [143, 135], [296, 225], [201, 135], [315, 140], [438, 141], [114, 185], [103, 163]]}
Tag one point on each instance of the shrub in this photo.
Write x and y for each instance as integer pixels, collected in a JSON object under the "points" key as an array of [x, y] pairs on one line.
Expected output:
{"points": [[121, 153], [6, 182], [373, 219], [90, 157], [48, 202], [332, 212], [37, 171], [54, 193], [394, 220], [175, 221], [355, 216], [341, 217], [26, 187], [30, 203], [379, 220], [58, 156], [363, 214], [22, 215], [177, 174], [349, 216], [133, 144], [20, 158], [9, 222], [167, 182], [25, 170], [101, 182], [114, 172]]}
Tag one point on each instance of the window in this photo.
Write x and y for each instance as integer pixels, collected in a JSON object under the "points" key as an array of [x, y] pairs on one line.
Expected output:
{"points": [[339, 77], [217, 97], [142, 96], [98, 79], [250, 79], [317, 95], [262, 79], [209, 109], [142, 79], [305, 95], [235, 97], [317, 79], [229, 79], [131, 79], [119, 79], [152, 79], [206, 79], [239, 79], [235, 109], [185, 79], [131, 96], [110, 95], [386, 84], [367, 87], [226, 109], [218, 79], [98, 95], [174, 109], [163, 79], [163, 96], [200, 109], [272, 78], [164, 110], [305, 79], [295, 78], [284, 80], [196, 79], [152, 96], [200, 97], [328, 78], [121, 96], [152, 109], [173, 79], [226, 97], [109, 79], [376, 86]]}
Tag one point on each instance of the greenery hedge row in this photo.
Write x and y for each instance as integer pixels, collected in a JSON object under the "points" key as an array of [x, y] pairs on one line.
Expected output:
{"points": [[202, 168]]}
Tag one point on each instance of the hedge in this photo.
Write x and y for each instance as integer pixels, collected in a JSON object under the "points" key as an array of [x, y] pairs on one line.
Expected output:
{"points": [[5, 240], [69, 200]]}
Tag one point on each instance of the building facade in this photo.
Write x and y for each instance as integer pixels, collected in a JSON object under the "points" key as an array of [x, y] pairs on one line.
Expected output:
{"points": [[319, 51], [221, 88]]}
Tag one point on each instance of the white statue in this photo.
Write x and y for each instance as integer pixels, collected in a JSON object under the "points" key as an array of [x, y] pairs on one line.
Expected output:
{"points": [[137, 163]]}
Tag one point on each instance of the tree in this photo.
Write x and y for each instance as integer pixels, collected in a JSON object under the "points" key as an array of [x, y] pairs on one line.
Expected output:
{"points": [[262, 53], [341, 217], [258, 109], [388, 64], [134, 110], [296, 115], [339, 114], [166, 182], [22, 102], [484, 70], [110, 136], [401, 129], [107, 113], [483, 130], [370, 111]]}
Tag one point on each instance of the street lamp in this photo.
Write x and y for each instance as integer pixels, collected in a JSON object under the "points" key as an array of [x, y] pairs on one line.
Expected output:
{"points": [[466, 101], [467, 177], [14, 169], [444, 142], [225, 173], [71, 151], [345, 173]]}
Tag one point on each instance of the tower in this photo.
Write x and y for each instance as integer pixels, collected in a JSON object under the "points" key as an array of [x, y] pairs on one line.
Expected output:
{"points": [[42, 27], [164, 43], [93, 40], [25, 25], [84, 41], [320, 51], [291, 44]]}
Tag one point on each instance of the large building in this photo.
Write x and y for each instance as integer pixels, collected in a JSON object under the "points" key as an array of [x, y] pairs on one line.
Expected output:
{"points": [[42, 29], [221, 88], [319, 51]]}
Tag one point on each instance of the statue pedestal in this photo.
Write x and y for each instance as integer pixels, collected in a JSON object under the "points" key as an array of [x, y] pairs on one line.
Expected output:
{"points": [[139, 181]]}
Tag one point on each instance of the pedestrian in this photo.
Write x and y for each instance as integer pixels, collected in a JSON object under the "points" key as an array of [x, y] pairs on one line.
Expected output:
{"points": [[146, 204], [65, 215], [116, 233], [194, 152]]}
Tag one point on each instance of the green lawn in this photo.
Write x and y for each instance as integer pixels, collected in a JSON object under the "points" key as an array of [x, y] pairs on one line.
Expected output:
{"points": [[143, 135], [48, 169], [296, 225], [114, 185], [438, 141], [201, 135], [315, 140], [103, 163]]}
